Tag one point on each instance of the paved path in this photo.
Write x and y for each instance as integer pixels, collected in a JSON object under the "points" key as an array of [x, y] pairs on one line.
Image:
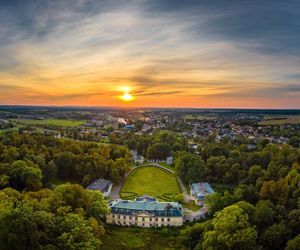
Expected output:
{"points": [[115, 193], [192, 216], [155, 164], [185, 194]]}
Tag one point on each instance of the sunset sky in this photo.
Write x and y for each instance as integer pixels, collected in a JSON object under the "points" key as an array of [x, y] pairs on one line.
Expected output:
{"points": [[240, 54]]}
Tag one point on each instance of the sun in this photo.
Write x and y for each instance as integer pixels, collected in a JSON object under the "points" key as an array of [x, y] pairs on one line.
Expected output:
{"points": [[127, 97]]}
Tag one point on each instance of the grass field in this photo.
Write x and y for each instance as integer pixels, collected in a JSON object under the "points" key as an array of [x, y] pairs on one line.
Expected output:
{"points": [[172, 168], [57, 181], [126, 238], [199, 117], [191, 206], [281, 120], [54, 122], [151, 181]]}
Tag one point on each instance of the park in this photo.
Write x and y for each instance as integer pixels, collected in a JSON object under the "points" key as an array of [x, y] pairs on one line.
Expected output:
{"points": [[153, 181]]}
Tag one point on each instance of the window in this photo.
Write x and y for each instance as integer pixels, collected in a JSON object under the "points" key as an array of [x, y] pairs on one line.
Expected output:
{"points": [[156, 219], [150, 219], [124, 217], [143, 219], [143, 224], [119, 216], [113, 216], [129, 217], [168, 219], [162, 219]]}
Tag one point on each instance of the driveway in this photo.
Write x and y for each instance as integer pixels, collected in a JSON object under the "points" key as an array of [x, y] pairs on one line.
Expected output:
{"points": [[115, 193], [192, 216]]}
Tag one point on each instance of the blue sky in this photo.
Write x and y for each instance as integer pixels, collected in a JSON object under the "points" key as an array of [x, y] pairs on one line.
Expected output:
{"points": [[168, 53]]}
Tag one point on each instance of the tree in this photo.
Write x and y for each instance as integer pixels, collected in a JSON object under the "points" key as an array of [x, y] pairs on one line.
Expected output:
{"points": [[246, 192], [231, 230], [275, 236], [75, 233], [158, 151], [65, 163], [254, 173], [23, 228], [190, 168], [97, 204], [293, 244], [70, 195], [24, 176], [294, 220], [295, 141], [218, 201], [59, 219], [264, 213]]}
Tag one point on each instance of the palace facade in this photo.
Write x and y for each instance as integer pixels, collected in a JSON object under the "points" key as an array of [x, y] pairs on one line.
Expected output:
{"points": [[145, 212]]}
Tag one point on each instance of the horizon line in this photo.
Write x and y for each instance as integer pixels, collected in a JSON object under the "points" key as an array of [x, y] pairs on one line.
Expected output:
{"points": [[141, 107]]}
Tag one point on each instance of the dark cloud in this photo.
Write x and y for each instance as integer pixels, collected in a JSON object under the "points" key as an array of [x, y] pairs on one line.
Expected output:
{"points": [[164, 47], [270, 26], [155, 93], [276, 91], [76, 96]]}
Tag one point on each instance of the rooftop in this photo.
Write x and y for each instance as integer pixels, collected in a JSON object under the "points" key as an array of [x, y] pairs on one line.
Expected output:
{"points": [[200, 189], [147, 204], [100, 185]]}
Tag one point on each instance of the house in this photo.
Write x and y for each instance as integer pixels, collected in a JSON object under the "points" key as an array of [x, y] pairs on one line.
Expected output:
{"points": [[145, 212], [129, 127], [138, 159], [102, 185], [169, 160], [4, 121], [199, 191]]}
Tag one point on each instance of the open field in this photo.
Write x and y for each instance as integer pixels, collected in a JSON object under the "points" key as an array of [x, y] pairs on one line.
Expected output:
{"points": [[53, 122], [199, 117], [152, 181], [164, 164], [281, 120], [120, 238]]}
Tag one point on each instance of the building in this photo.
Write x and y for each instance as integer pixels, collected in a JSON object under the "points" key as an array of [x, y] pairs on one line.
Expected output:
{"points": [[199, 191], [169, 160], [129, 127], [102, 185], [138, 159], [145, 212]]}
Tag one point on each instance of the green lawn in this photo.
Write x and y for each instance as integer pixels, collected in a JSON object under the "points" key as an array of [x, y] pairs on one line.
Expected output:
{"points": [[280, 120], [167, 166], [54, 122], [199, 117], [57, 181], [151, 181], [126, 238], [191, 206]]}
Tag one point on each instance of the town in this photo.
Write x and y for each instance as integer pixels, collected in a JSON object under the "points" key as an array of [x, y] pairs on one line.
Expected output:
{"points": [[105, 125], [152, 174]]}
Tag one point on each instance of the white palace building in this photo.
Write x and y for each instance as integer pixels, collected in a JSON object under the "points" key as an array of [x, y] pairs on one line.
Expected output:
{"points": [[145, 212]]}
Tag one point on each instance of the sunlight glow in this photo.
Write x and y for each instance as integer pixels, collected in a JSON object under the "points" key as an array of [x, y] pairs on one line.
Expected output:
{"points": [[126, 97]]}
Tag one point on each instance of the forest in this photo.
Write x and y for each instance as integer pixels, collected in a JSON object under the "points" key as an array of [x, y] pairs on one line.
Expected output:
{"points": [[256, 204]]}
